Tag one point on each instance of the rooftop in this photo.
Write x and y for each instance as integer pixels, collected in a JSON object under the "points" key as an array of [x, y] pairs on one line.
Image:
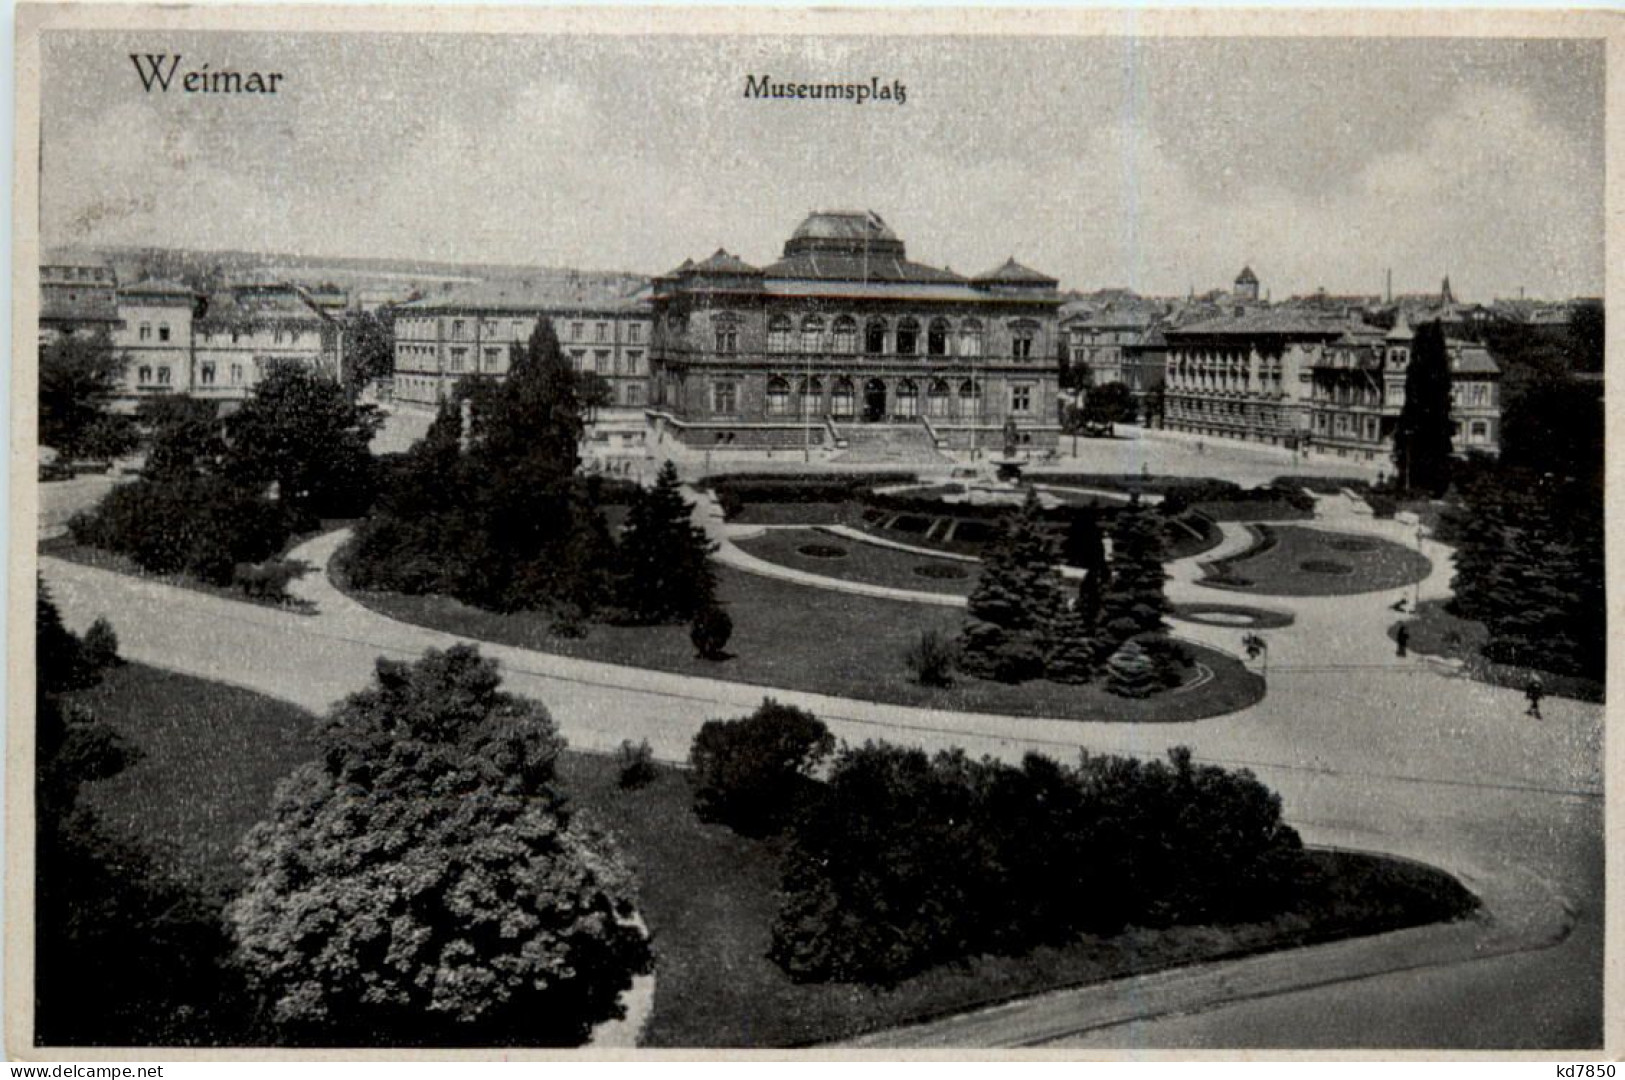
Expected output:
{"points": [[1013, 273], [1268, 321], [584, 294]]}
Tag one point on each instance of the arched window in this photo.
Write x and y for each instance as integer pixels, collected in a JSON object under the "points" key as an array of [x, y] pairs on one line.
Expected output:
{"points": [[908, 398], [812, 334], [874, 336], [908, 337], [840, 400], [970, 338], [936, 338], [778, 334], [778, 396], [811, 393], [936, 398], [970, 400], [726, 329], [846, 335]]}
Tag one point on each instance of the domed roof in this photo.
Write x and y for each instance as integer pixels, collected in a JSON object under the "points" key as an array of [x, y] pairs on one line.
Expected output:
{"points": [[843, 225], [844, 232]]}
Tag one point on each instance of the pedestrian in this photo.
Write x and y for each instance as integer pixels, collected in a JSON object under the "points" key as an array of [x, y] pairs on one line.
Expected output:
{"points": [[1535, 692], [1403, 637]]}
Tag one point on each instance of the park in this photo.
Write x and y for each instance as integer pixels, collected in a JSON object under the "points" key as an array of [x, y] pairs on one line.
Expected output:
{"points": [[1261, 655]]}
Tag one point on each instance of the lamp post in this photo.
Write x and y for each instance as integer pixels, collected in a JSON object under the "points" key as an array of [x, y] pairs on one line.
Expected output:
{"points": [[806, 410], [1416, 605]]}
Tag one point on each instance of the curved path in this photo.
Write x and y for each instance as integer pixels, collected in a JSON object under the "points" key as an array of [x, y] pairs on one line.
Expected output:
{"points": [[1367, 750]]}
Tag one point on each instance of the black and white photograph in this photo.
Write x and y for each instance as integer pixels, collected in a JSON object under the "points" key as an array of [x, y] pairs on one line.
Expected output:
{"points": [[833, 532]]}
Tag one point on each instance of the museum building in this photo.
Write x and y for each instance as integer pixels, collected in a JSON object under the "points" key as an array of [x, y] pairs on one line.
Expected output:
{"points": [[844, 338]]}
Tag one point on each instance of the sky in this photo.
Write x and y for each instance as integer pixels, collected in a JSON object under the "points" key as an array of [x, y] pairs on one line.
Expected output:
{"points": [[1162, 165]]}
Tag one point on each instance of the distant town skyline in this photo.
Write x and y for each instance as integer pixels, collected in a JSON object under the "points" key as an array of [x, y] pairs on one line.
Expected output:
{"points": [[1163, 166]]}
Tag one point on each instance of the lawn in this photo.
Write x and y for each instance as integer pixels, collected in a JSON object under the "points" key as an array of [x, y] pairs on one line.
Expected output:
{"points": [[213, 754], [818, 552], [1291, 561], [1436, 632], [798, 637]]}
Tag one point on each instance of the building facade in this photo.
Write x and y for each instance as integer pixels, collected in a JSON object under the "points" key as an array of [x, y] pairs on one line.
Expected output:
{"points": [[845, 332], [1245, 377], [1332, 388], [78, 295], [155, 334], [244, 331], [472, 331]]}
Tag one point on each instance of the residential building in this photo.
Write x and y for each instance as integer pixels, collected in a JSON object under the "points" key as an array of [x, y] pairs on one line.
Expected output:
{"points": [[245, 330], [1245, 376], [845, 332], [78, 294], [155, 333], [601, 327]]}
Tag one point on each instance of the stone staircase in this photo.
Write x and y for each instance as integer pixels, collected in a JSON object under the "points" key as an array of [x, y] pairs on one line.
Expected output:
{"points": [[887, 444]]}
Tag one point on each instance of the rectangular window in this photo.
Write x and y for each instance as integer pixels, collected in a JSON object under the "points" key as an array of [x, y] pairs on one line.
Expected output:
{"points": [[723, 398], [236, 374], [634, 362], [146, 331], [205, 374], [1021, 343], [600, 361], [603, 331], [458, 328], [634, 394], [458, 358], [577, 330], [1021, 399], [727, 337], [492, 358], [634, 333], [163, 375], [163, 331], [578, 359]]}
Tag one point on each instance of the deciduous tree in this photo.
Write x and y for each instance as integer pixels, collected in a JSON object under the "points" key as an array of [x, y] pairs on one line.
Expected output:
{"points": [[425, 883]]}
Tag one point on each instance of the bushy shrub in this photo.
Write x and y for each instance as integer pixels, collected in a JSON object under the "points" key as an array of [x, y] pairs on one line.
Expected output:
{"points": [[267, 580], [931, 658], [906, 861], [750, 773], [1169, 658], [100, 645], [1382, 505], [710, 631], [203, 526], [637, 763]]}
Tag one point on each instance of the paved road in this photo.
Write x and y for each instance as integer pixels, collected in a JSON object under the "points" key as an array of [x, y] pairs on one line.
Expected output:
{"points": [[1366, 749]]}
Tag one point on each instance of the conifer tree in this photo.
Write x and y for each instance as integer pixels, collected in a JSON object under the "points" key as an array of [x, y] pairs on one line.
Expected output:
{"points": [[665, 558], [1016, 604], [1134, 601], [1422, 439], [1086, 550]]}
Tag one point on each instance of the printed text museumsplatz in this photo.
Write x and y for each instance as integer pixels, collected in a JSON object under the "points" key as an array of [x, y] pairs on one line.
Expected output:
{"points": [[764, 87]]}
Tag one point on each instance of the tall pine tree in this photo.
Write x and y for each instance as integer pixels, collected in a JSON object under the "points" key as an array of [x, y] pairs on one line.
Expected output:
{"points": [[1134, 600], [665, 559], [1422, 443], [1017, 602]]}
